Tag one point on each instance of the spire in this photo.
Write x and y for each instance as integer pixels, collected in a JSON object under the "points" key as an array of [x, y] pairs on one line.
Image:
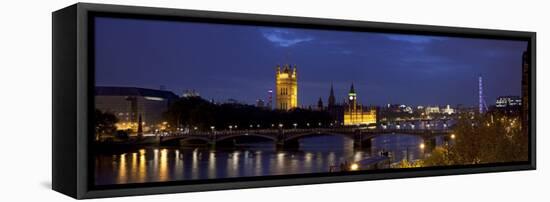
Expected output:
{"points": [[352, 90], [331, 98]]}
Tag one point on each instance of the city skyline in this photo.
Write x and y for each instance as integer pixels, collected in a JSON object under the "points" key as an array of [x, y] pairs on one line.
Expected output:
{"points": [[223, 61]]}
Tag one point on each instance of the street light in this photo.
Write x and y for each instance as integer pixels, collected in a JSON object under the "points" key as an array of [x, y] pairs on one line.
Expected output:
{"points": [[230, 127], [422, 146], [295, 124], [212, 127], [453, 136], [354, 166]]}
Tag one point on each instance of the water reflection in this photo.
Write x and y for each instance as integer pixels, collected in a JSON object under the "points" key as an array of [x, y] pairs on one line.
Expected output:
{"points": [[316, 154]]}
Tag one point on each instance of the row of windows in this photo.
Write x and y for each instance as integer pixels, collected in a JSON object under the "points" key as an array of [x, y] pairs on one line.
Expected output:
{"points": [[284, 91], [283, 105]]}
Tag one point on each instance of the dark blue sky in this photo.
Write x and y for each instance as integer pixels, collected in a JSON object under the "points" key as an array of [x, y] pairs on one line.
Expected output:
{"points": [[237, 61]]}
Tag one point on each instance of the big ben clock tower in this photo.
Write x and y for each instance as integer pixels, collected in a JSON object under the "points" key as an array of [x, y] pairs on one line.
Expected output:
{"points": [[356, 114], [352, 96]]}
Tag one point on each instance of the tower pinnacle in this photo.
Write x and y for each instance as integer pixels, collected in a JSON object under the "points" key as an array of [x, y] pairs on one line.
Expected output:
{"points": [[331, 98]]}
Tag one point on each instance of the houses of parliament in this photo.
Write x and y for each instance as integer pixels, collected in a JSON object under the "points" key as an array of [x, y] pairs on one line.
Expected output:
{"points": [[350, 113]]}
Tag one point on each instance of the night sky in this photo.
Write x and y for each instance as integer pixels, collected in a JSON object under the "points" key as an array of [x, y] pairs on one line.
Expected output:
{"points": [[238, 62]]}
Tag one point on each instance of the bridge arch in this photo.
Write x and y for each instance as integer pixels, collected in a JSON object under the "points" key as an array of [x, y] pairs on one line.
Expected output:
{"points": [[316, 133], [185, 138], [227, 137]]}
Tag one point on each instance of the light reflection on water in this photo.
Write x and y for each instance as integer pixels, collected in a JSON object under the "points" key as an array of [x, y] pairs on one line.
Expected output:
{"points": [[315, 155]]}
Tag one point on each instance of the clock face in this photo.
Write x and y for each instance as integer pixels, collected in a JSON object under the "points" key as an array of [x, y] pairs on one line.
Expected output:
{"points": [[350, 97]]}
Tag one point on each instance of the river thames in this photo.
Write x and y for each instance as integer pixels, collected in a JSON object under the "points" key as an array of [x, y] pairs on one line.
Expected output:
{"points": [[315, 155]]}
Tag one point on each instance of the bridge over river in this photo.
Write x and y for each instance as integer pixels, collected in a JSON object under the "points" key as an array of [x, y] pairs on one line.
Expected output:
{"points": [[290, 137]]}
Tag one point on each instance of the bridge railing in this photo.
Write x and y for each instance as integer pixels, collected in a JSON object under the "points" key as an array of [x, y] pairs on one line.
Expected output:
{"points": [[303, 130]]}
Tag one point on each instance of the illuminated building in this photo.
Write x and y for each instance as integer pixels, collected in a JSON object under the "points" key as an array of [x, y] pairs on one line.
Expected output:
{"points": [[356, 114], [508, 101], [508, 104], [129, 103], [448, 110], [432, 110], [286, 87]]}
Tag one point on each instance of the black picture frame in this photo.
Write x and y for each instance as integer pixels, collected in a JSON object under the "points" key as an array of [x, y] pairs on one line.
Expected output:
{"points": [[73, 103]]}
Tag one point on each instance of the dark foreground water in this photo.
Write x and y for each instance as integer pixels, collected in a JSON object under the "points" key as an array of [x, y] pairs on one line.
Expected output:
{"points": [[315, 155]]}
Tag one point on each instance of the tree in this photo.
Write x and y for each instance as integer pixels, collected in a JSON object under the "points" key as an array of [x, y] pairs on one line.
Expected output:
{"points": [[104, 124], [440, 156], [409, 164], [489, 138]]}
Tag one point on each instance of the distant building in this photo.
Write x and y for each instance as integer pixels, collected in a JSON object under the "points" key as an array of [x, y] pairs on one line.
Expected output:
{"points": [[394, 108], [406, 109], [190, 93], [448, 110], [286, 87], [356, 114], [508, 104], [233, 101], [129, 103], [270, 99], [431, 110], [320, 104], [508, 101], [397, 109], [260, 103]]}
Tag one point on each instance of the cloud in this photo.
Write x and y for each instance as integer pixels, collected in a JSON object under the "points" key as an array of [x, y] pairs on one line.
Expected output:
{"points": [[284, 37]]}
